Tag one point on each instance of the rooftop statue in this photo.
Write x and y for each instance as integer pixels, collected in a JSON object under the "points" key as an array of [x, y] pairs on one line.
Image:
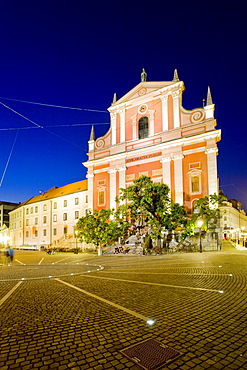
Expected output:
{"points": [[143, 75]]}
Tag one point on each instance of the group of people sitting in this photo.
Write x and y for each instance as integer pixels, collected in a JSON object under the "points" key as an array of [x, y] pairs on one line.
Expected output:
{"points": [[121, 250]]}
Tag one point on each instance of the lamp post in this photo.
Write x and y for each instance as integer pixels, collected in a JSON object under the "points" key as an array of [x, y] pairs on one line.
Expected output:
{"points": [[199, 224]]}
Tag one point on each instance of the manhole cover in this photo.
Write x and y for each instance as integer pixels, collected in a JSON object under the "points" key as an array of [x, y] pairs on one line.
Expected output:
{"points": [[151, 354]]}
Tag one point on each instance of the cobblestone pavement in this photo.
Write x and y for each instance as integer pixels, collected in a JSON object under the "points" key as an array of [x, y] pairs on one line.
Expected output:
{"points": [[68, 311]]}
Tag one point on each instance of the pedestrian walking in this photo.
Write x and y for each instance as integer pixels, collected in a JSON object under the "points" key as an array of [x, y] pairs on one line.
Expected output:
{"points": [[10, 252]]}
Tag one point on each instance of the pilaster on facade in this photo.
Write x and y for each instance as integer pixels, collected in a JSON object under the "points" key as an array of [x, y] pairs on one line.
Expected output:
{"points": [[178, 178], [176, 108], [166, 169], [114, 127], [151, 122], [164, 105], [90, 177], [113, 187], [134, 127], [122, 124], [212, 170]]}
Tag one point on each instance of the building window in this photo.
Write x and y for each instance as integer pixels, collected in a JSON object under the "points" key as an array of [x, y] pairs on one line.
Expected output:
{"points": [[27, 234], [55, 205], [195, 184], [143, 127], [44, 207], [76, 214], [65, 203], [27, 211], [44, 219], [44, 232], [31, 210], [27, 222], [76, 201], [36, 221], [54, 218], [65, 217], [86, 199], [101, 199], [36, 209], [36, 233], [54, 231]]}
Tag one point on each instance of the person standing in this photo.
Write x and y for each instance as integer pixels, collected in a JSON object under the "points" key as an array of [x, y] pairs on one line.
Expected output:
{"points": [[11, 254]]}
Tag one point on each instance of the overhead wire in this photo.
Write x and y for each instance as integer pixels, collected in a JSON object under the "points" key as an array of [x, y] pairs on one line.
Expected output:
{"points": [[66, 125], [8, 160], [55, 106]]}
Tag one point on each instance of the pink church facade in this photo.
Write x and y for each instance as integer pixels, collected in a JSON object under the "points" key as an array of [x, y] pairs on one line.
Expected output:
{"points": [[152, 134]]}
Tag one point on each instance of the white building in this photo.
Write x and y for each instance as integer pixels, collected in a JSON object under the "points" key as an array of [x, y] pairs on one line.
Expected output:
{"points": [[233, 222], [48, 219]]}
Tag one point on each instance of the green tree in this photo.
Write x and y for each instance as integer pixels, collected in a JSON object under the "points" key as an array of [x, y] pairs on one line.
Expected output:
{"points": [[206, 210], [101, 227], [151, 202]]}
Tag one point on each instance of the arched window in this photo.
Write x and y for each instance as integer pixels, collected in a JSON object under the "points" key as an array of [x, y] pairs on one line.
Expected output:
{"points": [[143, 127]]}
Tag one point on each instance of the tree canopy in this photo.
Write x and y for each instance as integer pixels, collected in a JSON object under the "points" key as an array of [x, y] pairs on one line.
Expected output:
{"points": [[151, 202]]}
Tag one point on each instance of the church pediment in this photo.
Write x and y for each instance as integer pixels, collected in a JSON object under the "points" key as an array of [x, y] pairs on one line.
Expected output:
{"points": [[142, 89]]}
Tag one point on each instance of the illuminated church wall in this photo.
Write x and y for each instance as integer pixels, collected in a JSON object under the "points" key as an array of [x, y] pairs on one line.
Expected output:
{"points": [[151, 133]]}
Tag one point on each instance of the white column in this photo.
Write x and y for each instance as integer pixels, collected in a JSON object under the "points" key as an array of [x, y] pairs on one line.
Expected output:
{"points": [[176, 109], [164, 100], [113, 128], [134, 130], [122, 125], [212, 170], [166, 167], [113, 190], [151, 122], [90, 177], [178, 178], [122, 179]]}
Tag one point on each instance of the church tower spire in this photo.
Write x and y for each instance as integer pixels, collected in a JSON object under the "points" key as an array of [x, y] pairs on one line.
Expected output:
{"points": [[209, 97], [175, 76], [92, 134], [114, 99]]}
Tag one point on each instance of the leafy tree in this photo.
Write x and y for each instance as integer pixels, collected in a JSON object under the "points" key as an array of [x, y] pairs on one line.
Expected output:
{"points": [[151, 202], [206, 209], [100, 227]]}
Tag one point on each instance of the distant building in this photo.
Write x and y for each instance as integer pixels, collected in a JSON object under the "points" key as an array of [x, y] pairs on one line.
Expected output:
{"points": [[49, 218], [233, 221], [152, 134], [5, 208]]}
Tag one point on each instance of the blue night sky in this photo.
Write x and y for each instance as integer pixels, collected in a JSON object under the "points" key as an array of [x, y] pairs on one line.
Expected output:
{"points": [[78, 54]]}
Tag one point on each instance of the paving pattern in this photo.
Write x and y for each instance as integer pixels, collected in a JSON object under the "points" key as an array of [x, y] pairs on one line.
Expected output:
{"points": [[67, 311]]}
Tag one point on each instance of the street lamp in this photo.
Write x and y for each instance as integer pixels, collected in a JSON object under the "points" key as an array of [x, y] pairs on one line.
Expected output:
{"points": [[199, 224]]}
